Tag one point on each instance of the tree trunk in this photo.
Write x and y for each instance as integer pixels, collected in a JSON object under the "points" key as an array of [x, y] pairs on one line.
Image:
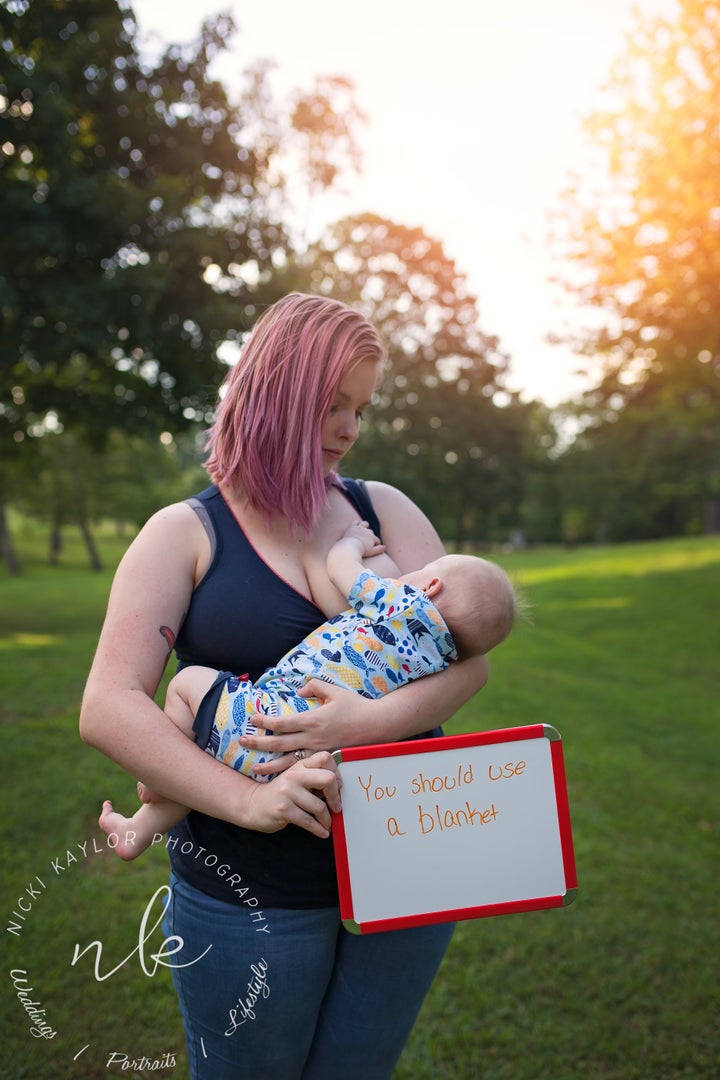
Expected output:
{"points": [[82, 521], [6, 545], [712, 516], [55, 545], [95, 563]]}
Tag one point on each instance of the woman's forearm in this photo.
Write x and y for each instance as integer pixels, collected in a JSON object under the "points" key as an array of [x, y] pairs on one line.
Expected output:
{"points": [[119, 717], [174, 766], [424, 703], [131, 730], [344, 718]]}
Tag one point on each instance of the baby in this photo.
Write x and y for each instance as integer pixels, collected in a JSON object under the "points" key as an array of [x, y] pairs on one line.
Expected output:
{"points": [[396, 630]]}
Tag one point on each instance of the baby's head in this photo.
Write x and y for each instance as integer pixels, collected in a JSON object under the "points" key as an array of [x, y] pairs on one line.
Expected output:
{"points": [[475, 598]]}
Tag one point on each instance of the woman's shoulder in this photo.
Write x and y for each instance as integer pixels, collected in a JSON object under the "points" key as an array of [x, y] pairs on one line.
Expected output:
{"points": [[378, 489], [389, 499], [169, 517], [408, 534], [173, 535], [374, 493]]}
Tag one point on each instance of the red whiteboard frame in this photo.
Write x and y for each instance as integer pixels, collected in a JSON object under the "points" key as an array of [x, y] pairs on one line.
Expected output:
{"points": [[449, 742]]}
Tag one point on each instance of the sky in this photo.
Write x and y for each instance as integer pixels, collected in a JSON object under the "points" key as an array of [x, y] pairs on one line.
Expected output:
{"points": [[474, 111]]}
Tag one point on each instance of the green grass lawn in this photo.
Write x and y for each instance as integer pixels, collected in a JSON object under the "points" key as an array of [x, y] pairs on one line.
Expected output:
{"points": [[621, 655]]}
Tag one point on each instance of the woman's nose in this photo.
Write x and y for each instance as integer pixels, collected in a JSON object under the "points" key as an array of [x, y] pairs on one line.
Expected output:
{"points": [[349, 427]]}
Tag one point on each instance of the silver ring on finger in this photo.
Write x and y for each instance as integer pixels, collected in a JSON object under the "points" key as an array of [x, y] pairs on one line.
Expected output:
{"points": [[299, 755]]}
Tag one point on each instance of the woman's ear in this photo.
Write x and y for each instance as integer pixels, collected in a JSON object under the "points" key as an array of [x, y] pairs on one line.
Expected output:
{"points": [[433, 587]]}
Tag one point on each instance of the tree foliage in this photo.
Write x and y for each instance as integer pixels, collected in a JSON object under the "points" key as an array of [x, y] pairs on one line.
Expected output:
{"points": [[643, 226], [109, 176], [436, 429], [642, 232], [140, 211]]}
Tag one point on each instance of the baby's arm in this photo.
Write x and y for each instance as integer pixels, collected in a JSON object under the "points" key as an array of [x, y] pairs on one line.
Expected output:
{"points": [[345, 560]]}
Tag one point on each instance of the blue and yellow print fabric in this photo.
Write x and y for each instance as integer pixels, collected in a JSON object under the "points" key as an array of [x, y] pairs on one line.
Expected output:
{"points": [[391, 635]]}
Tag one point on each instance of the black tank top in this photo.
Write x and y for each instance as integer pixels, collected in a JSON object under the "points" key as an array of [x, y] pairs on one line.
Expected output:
{"points": [[243, 617]]}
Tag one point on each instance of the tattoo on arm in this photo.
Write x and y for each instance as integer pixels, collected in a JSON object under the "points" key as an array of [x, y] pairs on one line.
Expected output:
{"points": [[169, 637]]}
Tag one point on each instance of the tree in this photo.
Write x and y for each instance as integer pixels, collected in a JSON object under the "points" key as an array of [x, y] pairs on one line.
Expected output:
{"points": [[70, 487], [436, 430], [645, 469], [120, 183], [642, 234], [141, 213], [542, 502]]}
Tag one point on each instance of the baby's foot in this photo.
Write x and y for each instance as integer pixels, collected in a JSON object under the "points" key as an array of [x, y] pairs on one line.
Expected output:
{"points": [[120, 829]]}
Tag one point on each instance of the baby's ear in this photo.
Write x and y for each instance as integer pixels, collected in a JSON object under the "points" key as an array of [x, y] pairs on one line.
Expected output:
{"points": [[433, 587]]}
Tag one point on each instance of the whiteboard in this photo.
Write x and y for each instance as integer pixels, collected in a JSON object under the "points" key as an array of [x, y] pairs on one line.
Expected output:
{"points": [[458, 827]]}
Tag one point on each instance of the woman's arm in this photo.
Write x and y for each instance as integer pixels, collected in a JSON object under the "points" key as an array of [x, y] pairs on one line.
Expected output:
{"points": [[345, 718], [411, 540], [148, 602], [408, 535]]}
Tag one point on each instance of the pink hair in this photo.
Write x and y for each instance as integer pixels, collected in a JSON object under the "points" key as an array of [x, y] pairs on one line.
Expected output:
{"points": [[265, 440]]}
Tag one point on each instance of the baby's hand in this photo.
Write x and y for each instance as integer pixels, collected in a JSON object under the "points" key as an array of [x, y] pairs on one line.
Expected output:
{"points": [[368, 543]]}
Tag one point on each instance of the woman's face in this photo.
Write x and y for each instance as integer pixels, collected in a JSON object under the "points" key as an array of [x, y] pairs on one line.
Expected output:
{"points": [[340, 427]]}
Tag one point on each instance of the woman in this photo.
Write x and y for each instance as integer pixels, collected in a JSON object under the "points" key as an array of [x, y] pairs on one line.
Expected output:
{"points": [[273, 986]]}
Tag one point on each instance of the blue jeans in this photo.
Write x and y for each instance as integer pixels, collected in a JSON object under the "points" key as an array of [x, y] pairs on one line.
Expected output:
{"points": [[290, 994]]}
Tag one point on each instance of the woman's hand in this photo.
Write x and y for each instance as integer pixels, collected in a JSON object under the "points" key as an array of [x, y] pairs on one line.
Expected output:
{"points": [[341, 716], [344, 718], [303, 795]]}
